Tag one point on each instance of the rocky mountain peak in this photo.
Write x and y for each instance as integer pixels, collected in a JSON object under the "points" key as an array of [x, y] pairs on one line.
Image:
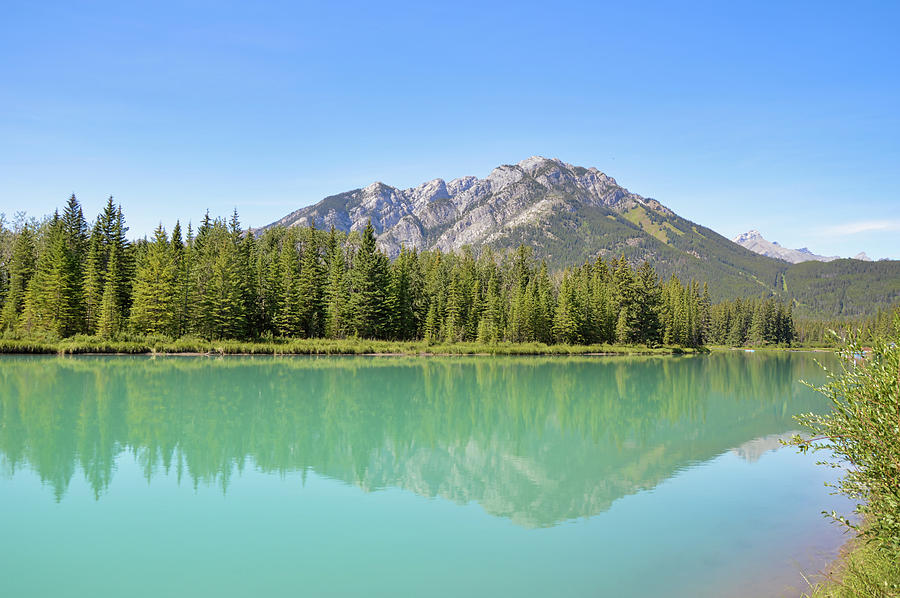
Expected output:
{"points": [[747, 236], [473, 211], [754, 241]]}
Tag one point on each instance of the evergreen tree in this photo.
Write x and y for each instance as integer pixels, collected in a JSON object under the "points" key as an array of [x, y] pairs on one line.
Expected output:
{"points": [[369, 303], [406, 289], [21, 269], [93, 279], [288, 315], [112, 313], [50, 298], [567, 321], [454, 327], [336, 291], [179, 287], [155, 289], [490, 324], [309, 287], [75, 230], [626, 322], [545, 306]]}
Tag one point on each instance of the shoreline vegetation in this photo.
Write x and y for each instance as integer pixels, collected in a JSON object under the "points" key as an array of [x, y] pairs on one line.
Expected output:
{"points": [[61, 278], [84, 345], [860, 435], [95, 345], [69, 287]]}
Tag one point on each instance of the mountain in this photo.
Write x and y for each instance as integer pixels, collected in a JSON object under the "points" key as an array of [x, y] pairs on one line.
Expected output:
{"points": [[567, 214], [754, 241]]}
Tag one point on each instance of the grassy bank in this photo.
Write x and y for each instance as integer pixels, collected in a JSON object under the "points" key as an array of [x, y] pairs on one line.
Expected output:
{"points": [[95, 345], [791, 347], [863, 571]]}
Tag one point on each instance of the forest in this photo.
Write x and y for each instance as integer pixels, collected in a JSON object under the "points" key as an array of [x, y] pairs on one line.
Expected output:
{"points": [[61, 277]]}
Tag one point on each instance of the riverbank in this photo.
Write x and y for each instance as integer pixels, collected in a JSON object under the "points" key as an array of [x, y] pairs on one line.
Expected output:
{"points": [[798, 347], [861, 570], [94, 345]]}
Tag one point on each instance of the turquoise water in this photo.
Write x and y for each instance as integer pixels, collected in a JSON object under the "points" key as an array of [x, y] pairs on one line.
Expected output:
{"points": [[401, 476]]}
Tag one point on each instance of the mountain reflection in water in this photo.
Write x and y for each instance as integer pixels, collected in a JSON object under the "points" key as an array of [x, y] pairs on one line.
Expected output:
{"points": [[535, 440]]}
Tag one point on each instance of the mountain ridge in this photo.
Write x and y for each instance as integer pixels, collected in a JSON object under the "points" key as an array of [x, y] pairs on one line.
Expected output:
{"points": [[466, 210], [569, 214], [754, 241]]}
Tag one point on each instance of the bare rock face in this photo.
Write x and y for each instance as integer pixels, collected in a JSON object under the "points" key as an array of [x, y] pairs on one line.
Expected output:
{"points": [[469, 210], [755, 242]]}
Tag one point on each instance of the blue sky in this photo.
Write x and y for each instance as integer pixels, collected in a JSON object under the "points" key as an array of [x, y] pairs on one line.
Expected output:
{"points": [[780, 116]]}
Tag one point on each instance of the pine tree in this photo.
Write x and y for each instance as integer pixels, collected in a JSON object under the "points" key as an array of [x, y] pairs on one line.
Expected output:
{"points": [[21, 269], [604, 309], [757, 334], [117, 275], [112, 315], [179, 260], [50, 298], [244, 298], [309, 287], [227, 299], [454, 325], [75, 230], [288, 315], [567, 321], [623, 281], [369, 308], [336, 291], [545, 306], [490, 323], [155, 289], [705, 316], [647, 305], [737, 333], [406, 289], [432, 323], [127, 261], [93, 279]]}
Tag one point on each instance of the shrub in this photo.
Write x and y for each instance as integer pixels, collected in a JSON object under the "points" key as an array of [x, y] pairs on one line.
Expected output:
{"points": [[862, 431]]}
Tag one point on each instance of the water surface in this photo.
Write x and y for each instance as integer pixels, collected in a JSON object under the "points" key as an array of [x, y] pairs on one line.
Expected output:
{"points": [[465, 476]]}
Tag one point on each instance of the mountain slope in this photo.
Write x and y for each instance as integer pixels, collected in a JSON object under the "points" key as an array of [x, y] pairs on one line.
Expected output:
{"points": [[566, 213]]}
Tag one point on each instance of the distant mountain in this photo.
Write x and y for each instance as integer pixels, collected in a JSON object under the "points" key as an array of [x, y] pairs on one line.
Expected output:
{"points": [[754, 241], [567, 214]]}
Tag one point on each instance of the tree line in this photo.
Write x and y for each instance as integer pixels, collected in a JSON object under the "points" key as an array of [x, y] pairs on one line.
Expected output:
{"points": [[62, 277]]}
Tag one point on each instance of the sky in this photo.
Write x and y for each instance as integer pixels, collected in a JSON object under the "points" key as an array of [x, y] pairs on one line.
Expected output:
{"points": [[781, 116]]}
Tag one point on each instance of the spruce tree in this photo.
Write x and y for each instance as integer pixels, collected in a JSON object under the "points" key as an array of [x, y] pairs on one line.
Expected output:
{"points": [[21, 269], [76, 232], [288, 315], [490, 324], [545, 306], [406, 290], [647, 305], [336, 290], [567, 320], [92, 282], [369, 308], [454, 326], [226, 299], [623, 281], [112, 317], [153, 310], [179, 259], [309, 287], [50, 298]]}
